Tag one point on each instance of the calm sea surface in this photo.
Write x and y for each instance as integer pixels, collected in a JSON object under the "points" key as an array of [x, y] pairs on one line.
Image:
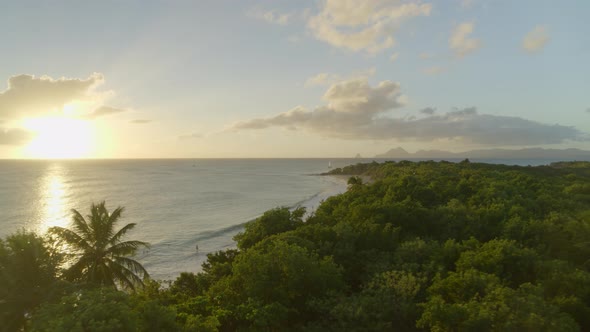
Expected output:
{"points": [[177, 204]]}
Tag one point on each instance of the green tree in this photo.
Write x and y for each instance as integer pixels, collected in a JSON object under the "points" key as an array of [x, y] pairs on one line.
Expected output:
{"points": [[28, 272], [272, 222], [100, 255], [103, 310], [272, 285], [477, 301], [388, 302]]}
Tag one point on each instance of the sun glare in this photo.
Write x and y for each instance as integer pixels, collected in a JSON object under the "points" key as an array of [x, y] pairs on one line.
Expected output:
{"points": [[60, 138]]}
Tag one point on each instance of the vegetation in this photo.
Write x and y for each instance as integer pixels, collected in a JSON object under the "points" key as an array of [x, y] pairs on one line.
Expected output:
{"points": [[100, 257], [427, 246], [28, 277]]}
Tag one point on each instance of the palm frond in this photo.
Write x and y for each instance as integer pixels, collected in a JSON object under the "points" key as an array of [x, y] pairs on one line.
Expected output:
{"points": [[126, 248], [129, 271], [132, 265], [115, 215], [79, 269], [80, 224], [117, 237], [70, 238], [125, 276]]}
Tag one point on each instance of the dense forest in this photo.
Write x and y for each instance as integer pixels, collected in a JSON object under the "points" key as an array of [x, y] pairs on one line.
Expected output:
{"points": [[422, 246]]}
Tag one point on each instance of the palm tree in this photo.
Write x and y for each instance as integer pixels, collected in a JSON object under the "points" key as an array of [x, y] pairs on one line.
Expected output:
{"points": [[100, 255]]}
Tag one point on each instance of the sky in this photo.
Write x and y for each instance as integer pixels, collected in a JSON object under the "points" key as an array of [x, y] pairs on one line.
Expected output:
{"points": [[265, 79]]}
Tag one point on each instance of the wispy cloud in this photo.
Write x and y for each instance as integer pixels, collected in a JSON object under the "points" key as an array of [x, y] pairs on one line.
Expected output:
{"points": [[460, 41], [271, 16], [103, 111], [321, 79], [363, 25], [327, 79], [140, 121], [394, 57], [536, 39]]}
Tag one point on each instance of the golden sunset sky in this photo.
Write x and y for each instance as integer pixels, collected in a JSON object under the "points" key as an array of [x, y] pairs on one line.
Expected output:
{"points": [[327, 78]]}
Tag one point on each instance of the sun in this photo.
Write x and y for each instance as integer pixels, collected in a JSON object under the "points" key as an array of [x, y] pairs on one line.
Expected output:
{"points": [[60, 138]]}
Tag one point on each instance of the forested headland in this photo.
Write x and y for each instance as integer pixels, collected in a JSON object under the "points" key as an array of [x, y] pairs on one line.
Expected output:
{"points": [[425, 246]]}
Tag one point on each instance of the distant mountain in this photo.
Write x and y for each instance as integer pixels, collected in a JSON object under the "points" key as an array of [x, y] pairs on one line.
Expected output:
{"points": [[529, 153]]}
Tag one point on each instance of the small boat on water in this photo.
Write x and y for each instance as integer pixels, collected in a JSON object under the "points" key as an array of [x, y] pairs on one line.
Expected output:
{"points": [[329, 164]]}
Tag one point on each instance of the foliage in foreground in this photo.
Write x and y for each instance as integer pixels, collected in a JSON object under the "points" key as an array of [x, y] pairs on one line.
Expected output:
{"points": [[428, 246], [100, 255]]}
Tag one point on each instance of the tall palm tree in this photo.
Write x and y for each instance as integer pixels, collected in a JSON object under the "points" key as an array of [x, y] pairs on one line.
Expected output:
{"points": [[100, 255]]}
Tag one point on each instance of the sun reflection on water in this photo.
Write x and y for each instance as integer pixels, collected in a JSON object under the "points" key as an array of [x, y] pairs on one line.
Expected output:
{"points": [[54, 198]]}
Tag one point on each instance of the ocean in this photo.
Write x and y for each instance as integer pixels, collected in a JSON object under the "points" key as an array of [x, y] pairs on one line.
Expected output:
{"points": [[178, 204]]}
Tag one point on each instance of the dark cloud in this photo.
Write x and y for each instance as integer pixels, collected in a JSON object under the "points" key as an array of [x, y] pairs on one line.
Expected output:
{"points": [[428, 110], [469, 126], [28, 95], [104, 110], [15, 136], [140, 121], [356, 110]]}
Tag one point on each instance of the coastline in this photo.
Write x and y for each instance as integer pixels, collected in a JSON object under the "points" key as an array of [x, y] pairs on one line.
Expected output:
{"points": [[191, 260]]}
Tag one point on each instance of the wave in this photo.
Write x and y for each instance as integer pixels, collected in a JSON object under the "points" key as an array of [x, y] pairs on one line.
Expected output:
{"points": [[307, 202], [218, 233]]}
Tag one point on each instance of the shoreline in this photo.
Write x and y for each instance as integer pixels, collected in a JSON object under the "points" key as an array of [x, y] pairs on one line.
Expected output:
{"points": [[192, 260]]}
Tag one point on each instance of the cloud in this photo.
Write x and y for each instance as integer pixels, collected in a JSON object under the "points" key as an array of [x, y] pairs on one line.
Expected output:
{"points": [[428, 110], [394, 57], [28, 95], [536, 39], [349, 104], [355, 110], [271, 16], [460, 42], [321, 79], [15, 136], [104, 110], [363, 25], [326, 79], [140, 121]]}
